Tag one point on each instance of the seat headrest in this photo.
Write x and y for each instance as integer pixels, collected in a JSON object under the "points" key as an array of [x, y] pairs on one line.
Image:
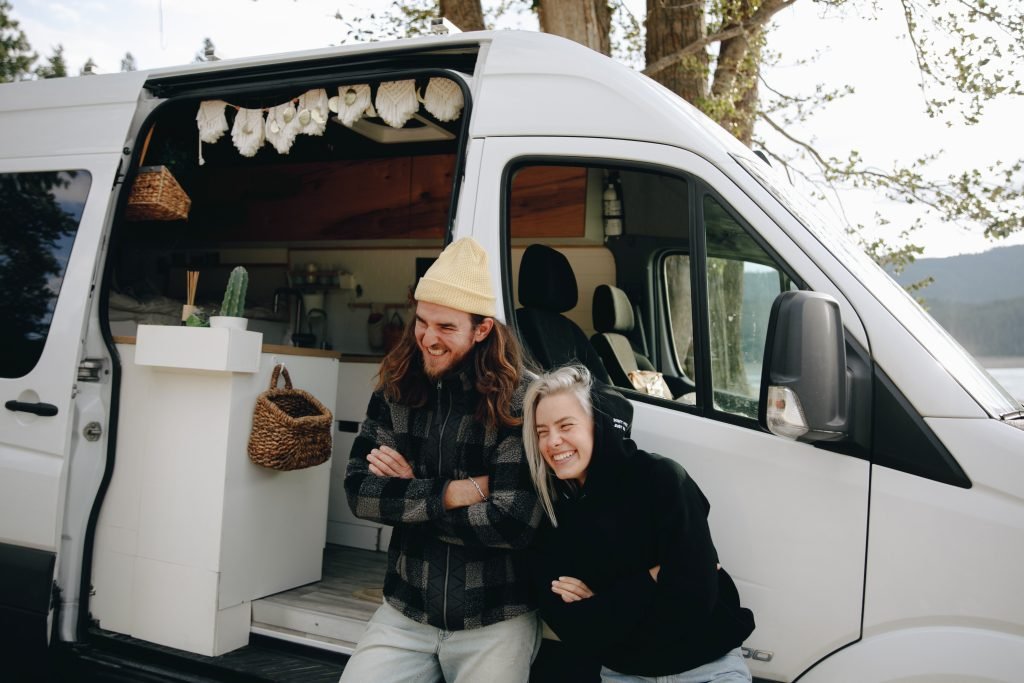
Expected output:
{"points": [[612, 310], [546, 280]]}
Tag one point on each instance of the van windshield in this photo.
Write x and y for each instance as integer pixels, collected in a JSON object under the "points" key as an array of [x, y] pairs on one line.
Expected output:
{"points": [[957, 361]]}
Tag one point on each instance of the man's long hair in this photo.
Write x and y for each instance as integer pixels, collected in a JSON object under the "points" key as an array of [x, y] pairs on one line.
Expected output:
{"points": [[497, 360]]}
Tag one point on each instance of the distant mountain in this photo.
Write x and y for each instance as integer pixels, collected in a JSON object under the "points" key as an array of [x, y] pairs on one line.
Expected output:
{"points": [[979, 298], [991, 329], [994, 275]]}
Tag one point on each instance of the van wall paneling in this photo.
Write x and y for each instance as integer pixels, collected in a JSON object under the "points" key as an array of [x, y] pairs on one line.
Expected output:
{"points": [[548, 201], [395, 198]]}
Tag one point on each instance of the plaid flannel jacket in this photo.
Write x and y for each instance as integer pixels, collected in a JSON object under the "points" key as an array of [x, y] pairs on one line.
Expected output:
{"points": [[453, 569]]}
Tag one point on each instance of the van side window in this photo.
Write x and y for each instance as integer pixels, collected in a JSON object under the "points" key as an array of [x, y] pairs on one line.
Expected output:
{"points": [[579, 241], [670, 288], [39, 216], [676, 273], [742, 282]]}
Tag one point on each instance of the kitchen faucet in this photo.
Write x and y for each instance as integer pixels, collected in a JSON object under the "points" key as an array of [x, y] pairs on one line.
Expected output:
{"points": [[293, 335]]}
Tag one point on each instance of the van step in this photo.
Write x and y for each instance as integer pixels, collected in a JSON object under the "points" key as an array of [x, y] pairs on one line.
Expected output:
{"points": [[331, 613], [301, 638], [278, 620]]}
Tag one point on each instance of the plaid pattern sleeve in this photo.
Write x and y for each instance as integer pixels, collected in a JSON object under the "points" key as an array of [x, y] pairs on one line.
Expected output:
{"points": [[511, 514], [387, 500]]}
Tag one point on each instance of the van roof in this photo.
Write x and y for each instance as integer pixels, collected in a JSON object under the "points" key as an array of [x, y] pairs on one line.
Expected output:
{"points": [[524, 83], [532, 83]]}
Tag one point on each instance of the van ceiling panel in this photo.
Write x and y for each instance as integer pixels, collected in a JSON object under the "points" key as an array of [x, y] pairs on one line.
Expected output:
{"points": [[312, 72]]}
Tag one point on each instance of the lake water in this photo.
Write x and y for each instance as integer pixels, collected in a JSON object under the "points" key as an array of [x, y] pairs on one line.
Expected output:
{"points": [[1008, 371], [1012, 380]]}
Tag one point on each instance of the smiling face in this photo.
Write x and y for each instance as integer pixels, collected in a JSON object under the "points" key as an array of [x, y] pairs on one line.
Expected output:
{"points": [[565, 434], [445, 336]]}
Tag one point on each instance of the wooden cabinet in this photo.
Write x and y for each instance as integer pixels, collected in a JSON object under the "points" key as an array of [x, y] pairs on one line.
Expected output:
{"points": [[396, 198], [548, 201], [393, 198]]}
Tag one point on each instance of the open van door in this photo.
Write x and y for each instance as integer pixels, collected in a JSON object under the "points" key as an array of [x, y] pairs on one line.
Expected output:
{"points": [[61, 145]]}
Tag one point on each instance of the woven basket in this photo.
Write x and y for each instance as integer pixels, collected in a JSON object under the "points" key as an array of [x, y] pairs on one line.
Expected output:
{"points": [[291, 430], [157, 196]]}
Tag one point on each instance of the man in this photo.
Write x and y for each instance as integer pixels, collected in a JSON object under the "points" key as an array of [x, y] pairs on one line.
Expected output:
{"points": [[440, 458]]}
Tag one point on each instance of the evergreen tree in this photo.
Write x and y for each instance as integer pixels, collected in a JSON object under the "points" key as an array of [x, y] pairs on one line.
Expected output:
{"points": [[128, 62], [16, 56], [55, 67]]}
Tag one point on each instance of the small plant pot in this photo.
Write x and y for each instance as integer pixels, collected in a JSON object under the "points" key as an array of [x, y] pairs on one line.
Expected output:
{"points": [[229, 321]]}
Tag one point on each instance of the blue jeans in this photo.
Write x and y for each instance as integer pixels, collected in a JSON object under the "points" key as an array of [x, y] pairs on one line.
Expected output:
{"points": [[730, 668], [397, 649]]}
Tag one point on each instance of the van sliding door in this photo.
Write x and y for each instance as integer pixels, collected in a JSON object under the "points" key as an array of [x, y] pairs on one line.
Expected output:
{"points": [[60, 148]]}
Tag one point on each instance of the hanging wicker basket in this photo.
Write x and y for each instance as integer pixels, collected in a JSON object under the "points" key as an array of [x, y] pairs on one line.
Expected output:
{"points": [[291, 429], [157, 196]]}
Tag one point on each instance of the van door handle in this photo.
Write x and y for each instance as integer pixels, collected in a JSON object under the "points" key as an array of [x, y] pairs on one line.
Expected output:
{"points": [[41, 409]]}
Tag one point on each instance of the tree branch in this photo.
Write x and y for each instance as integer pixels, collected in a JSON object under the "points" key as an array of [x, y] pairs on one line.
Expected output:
{"points": [[922, 67], [759, 18], [815, 155], [830, 169]]}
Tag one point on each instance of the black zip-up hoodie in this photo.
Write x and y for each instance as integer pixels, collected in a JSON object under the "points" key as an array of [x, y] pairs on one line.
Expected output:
{"points": [[636, 510]]}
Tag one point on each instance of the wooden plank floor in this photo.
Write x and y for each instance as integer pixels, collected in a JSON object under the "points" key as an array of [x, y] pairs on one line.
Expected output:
{"points": [[351, 586]]}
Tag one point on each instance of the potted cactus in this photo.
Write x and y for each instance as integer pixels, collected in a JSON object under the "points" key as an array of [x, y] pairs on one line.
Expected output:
{"points": [[233, 307]]}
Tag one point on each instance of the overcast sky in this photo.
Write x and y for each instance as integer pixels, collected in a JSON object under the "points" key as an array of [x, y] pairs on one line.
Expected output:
{"points": [[884, 119]]}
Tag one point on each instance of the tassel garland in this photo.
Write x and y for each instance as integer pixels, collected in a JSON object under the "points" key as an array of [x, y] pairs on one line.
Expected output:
{"points": [[396, 103]]}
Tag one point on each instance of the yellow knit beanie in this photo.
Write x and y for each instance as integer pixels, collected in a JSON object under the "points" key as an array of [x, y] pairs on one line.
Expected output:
{"points": [[459, 279]]}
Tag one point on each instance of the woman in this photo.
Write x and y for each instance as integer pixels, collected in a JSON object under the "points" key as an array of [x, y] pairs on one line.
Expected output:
{"points": [[626, 571]]}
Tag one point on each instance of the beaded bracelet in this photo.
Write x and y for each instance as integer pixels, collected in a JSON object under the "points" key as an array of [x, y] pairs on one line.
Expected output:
{"points": [[478, 489]]}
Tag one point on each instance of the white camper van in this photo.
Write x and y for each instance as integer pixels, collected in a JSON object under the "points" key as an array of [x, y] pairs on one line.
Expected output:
{"points": [[866, 475]]}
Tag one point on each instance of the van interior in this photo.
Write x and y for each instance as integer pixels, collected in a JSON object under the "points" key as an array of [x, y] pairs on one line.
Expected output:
{"points": [[334, 234]]}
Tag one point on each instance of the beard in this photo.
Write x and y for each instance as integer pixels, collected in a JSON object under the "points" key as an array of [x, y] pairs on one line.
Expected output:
{"points": [[438, 367]]}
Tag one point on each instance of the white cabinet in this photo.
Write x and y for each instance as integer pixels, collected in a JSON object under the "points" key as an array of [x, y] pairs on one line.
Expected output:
{"points": [[191, 531], [343, 528]]}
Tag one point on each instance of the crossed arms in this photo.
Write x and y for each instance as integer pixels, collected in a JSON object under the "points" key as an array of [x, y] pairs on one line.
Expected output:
{"points": [[381, 488]]}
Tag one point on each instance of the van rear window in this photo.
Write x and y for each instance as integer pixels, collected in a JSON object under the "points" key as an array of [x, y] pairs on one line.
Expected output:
{"points": [[39, 216]]}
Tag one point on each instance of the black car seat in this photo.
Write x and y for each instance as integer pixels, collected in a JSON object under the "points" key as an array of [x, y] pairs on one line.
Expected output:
{"points": [[613, 320], [547, 288]]}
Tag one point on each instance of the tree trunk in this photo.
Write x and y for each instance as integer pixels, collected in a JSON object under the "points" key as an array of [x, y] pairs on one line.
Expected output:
{"points": [[728, 371], [588, 22], [735, 82], [466, 14], [670, 28], [742, 124]]}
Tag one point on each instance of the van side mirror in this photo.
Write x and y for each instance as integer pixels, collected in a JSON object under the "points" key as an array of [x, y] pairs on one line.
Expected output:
{"points": [[804, 384]]}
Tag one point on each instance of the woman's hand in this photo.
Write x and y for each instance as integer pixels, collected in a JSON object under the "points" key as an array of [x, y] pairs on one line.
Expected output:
{"points": [[655, 570], [570, 589], [387, 462]]}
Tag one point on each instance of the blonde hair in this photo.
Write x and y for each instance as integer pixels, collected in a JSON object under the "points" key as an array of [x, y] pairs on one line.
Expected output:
{"points": [[570, 379]]}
